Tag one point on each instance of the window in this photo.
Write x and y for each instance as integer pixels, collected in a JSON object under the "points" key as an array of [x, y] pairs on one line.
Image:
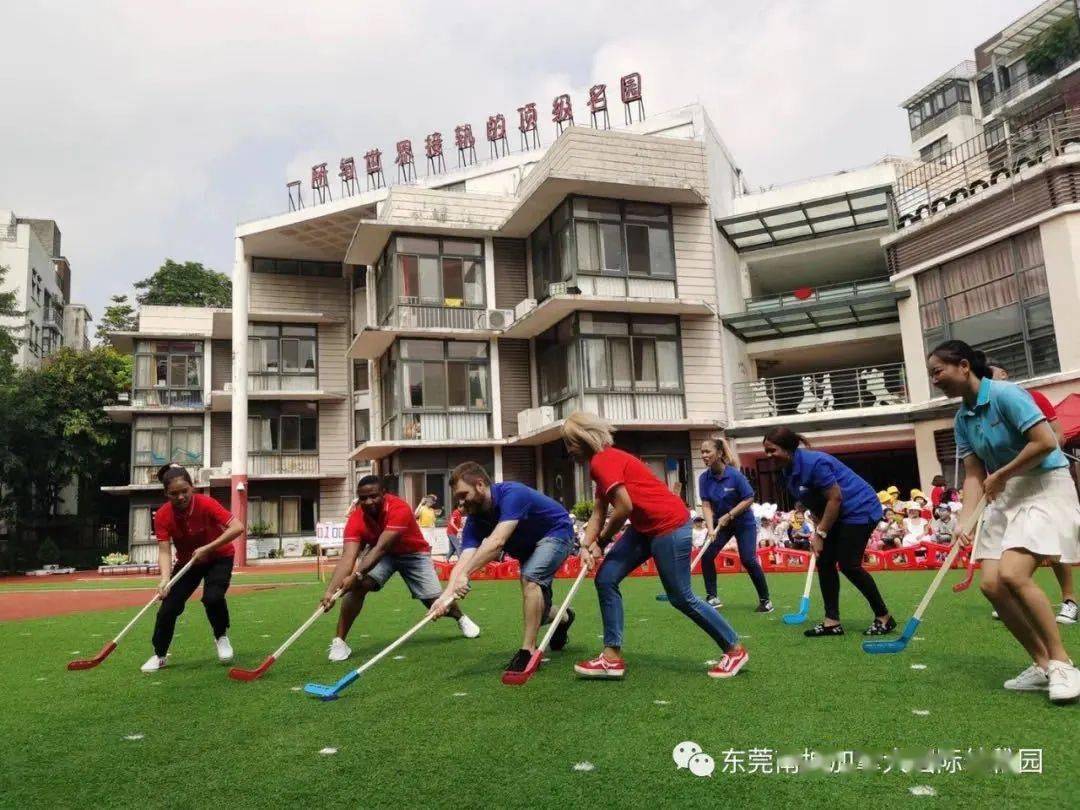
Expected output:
{"points": [[985, 86], [362, 425], [360, 376], [592, 236], [158, 440], [284, 516], [168, 372], [940, 102], [291, 267], [441, 375], [283, 428], [935, 150], [282, 356], [996, 299], [418, 270]]}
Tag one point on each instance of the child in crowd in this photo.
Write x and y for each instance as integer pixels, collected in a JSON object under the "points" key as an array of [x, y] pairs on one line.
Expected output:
{"points": [[943, 526], [915, 526], [698, 532]]}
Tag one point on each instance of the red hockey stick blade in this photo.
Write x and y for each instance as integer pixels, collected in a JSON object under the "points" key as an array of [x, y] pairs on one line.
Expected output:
{"points": [[518, 678], [238, 674], [90, 663], [963, 586]]}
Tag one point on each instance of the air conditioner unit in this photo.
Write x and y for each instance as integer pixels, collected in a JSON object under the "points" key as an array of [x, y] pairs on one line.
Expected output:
{"points": [[533, 419], [524, 308], [495, 319], [558, 288]]}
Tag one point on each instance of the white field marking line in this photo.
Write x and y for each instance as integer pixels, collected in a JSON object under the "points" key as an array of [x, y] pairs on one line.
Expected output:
{"points": [[662, 702], [584, 766], [918, 666], [295, 688], [133, 736], [920, 712], [544, 660], [917, 638], [327, 751], [399, 657], [39, 679], [922, 790], [460, 694]]}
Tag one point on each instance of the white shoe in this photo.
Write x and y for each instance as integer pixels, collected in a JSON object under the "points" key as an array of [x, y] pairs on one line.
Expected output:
{"points": [[469, 628], [154, 663], [994, 615], [1032, 679], [1064, 682], [1067, 614], [224, 649], [339, 650]]}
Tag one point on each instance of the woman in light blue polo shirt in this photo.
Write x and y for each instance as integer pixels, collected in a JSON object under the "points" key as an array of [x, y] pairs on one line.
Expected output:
{"points": [[846, 510], [726, 497], [1012, 457]]}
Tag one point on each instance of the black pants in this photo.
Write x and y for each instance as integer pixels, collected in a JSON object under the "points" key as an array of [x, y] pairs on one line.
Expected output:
{"points": [[746, 540], [215, 577], [844, 547]]}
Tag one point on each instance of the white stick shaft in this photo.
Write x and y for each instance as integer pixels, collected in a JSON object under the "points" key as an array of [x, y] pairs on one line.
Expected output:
{"points": [[173, 581], [303, 628], [563, 608], [380, 656], [976, 518], [701, 551], [809, 575]]}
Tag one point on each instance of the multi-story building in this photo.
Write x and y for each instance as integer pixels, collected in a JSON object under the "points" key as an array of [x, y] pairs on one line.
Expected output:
{"points": [[77, 320], [985, 248], [40, 277]]}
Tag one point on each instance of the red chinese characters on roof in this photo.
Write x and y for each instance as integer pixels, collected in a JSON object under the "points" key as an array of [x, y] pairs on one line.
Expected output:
{"points": [[496, 127], [630, 85], [347, 170], [318, 176], [463, 136], [561, 109], [404, 153], [598, 98], [373, 161], [527, 117], [433, 145]]}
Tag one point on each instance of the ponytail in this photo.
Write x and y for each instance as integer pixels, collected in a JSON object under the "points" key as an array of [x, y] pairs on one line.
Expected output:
{"points": [[953, 352], [170, 472], [786, 438]]}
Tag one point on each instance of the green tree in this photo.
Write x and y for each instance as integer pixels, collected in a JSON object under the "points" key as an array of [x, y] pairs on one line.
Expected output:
{"points": [[119, 316], [186, 285], [9, 343]]}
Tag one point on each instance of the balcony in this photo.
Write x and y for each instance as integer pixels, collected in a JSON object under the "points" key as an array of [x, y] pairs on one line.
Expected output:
{"points": [[930, 124], [142, 476], [1028, 82], [410, 318], [821, 392], [436, 427], [976, 165], [283, 465], [258, 383], [167, 397], [810, 310], [52, 321]]}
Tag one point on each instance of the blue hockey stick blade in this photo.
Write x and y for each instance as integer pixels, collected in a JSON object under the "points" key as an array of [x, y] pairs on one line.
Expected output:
{"points": [[800, 617], [899, 645], [321, 691]]}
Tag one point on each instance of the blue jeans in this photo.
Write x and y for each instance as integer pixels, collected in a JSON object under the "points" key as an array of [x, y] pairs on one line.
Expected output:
{"points": [[672, 555], [746, 539]]}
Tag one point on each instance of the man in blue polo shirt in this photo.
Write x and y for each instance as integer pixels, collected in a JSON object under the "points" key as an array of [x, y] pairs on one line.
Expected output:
{"points": [[526, 524]]}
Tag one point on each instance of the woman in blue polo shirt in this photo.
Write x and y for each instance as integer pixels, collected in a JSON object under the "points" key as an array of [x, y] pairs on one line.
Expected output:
{"points": [[726, 497], [1012, 457], [846, 509]]}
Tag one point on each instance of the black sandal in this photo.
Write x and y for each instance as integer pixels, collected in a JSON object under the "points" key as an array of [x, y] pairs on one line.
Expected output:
{"points": [[879, 629], [824, 630]]}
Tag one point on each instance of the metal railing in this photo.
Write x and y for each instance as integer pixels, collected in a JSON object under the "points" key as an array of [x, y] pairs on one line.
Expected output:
{"points": [[827, 294], [1025, 83], [980, 162], [821, 392], [283, 382], [172, 397], [935, 121], [283, 464], [50, 320], [142, 475], [437, 426], [409, 314]]}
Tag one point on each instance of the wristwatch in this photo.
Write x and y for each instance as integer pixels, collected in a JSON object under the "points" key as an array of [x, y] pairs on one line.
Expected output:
{"points": [[821, 533]]}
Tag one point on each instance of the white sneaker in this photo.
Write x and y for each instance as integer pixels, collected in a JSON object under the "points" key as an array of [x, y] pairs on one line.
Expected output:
{"points": [[1064, 682], [1032, 679], [469, 628], [224, 649], [994, 615], [154, 663], [339, 650], [1067, 614]]}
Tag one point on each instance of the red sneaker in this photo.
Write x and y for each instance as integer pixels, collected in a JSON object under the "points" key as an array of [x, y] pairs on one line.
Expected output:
{"points": [[731, 663], [601, 667]]}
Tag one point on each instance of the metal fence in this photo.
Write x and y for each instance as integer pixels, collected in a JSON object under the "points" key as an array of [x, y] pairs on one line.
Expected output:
{"points": [[409, 315], [1025, 83], [981, 162], [821, 392], [283, 465], [176, 397], [827, 294], [960, 108]]}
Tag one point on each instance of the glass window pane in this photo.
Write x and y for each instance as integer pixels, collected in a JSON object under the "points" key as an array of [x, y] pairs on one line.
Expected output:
{"points": [[667, 361], [159, 447], [466, 349], [661, 258], [290, 354], [595, 324], [429, 279], [434, 385], [621, 369], [647, 212], [290, 515], [423, 349], [637, 248], [193, 375], [144, 371], [416, 244], [292, 330], [453, 287], [595, 207], [263, 330], [473, 283], [644, 364], [654, 325], [457, 385], [309, 430], [414, 384], [410, 276], [565, 254], [611, 238], [161, 377], [290, 433], [478, 386], [588, 247], [307, 355], [596, 362], [988, 326], [462, 247], [1039, 316]]}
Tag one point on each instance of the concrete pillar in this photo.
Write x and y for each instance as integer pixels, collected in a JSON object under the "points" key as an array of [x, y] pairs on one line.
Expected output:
{"points": [[240, 281], [498, 463], [911, 336], [1061, 255], [496, 390]]}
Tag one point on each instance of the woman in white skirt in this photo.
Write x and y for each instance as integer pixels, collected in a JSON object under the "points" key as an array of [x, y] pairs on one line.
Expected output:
{"points": [[1011, 456]]}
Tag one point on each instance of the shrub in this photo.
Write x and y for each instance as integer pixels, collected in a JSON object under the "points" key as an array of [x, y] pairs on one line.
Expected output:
{"points": [[48, 552], [1059, 41], [116, 558], [582, 510]]}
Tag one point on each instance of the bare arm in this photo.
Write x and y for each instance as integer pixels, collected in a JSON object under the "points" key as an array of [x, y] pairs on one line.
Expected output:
{"points": [[974, 476], [1040, 443], [622, 506], [164, 556], [378, 551], [344, 567], [834, 500], [233, 529], [707, 513]]}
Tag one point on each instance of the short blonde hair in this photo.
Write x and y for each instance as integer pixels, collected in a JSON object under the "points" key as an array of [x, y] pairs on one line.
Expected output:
{"points": [[588, 431]]}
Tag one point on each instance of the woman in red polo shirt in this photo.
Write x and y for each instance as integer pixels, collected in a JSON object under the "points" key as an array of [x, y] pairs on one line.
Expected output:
{"points": [[201, 529], [659, 528]]}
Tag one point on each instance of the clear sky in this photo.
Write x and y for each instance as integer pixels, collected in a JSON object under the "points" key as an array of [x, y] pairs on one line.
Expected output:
{"points": [[149, 129]]}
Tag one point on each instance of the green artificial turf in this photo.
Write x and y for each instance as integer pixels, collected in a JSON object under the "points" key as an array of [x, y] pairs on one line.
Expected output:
{"points": [[438, 729]]}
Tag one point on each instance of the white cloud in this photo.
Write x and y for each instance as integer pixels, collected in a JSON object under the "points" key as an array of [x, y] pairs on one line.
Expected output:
{"points": [[147, 131]]}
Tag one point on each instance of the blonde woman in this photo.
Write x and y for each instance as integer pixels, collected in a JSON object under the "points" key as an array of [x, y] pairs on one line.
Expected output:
{"points": [[659, 528], [726, 498]]}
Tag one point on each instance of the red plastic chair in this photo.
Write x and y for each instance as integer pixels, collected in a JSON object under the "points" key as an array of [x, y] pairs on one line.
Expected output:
{"points": [[570, 568], [727, 562], [443, 569], [936, 554], [874, 560], [903, 559], [509, 569]]}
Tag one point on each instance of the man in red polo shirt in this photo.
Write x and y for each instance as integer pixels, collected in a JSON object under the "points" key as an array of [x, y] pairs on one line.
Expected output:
{"points": [[1063, 572], [382, 526]]}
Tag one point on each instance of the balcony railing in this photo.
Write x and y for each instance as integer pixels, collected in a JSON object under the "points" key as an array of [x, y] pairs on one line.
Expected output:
{"points": [[828, 294], [167, 397], [283, 465], [142, 475], [622, 286], [1025, 83], [50, 320], [821, 392], [932, 123], [283, 382], [981, 162], [438, 426], [408, 313], [621, 406]]}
